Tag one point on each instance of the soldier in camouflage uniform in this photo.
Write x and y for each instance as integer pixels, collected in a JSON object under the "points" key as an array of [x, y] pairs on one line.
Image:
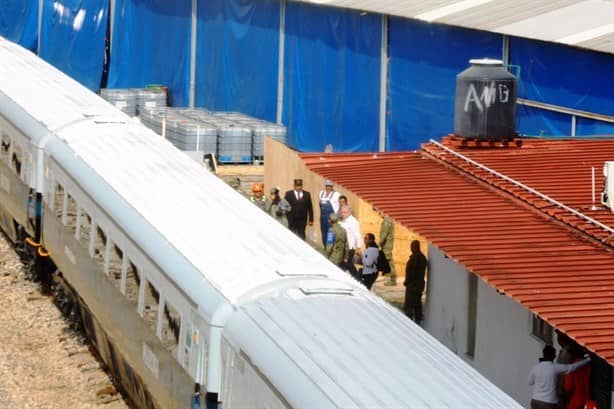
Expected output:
{"points": [[337, 249], [386, 242]]}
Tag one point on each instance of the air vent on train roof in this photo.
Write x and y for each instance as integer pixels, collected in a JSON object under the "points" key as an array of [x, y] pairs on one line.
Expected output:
{"points": [[289, 266], [311, 287]]}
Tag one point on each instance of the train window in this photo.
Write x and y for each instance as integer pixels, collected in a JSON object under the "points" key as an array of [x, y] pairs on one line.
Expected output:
{"points": [[100, 245], [70, 218], [151, 302], [133, 281], [5, 147], [85, 228], [17, 160], [171, 323], [114, 269], [58, 203], [189, 340]]}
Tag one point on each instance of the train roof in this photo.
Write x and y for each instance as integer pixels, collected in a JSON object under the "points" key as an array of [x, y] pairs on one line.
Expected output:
{"points": [[224, 236], [51, 97], [355, 351], [172, 205]]}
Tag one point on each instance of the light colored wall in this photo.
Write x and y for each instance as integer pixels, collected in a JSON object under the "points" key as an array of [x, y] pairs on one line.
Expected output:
{"points": [[505, 350], [445, 311]]}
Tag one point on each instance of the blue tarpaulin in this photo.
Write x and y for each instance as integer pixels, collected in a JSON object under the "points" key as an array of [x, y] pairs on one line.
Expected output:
{"points": [[19, 22], [237, 56], [73, 38], [538, 122], [151, 45], [424, 61], [564, 76], [331, 71]]}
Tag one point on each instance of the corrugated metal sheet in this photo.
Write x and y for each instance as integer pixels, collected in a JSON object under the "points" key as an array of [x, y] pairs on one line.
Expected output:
{"points": [[357, 352], [546, 258], [583, 23]]}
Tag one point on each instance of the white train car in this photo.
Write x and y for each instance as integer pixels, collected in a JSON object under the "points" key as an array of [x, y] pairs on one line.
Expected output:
{"points": [[180, 280]]}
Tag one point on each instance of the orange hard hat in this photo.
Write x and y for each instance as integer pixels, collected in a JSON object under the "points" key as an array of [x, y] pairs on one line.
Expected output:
{"points": [[257, 187]]}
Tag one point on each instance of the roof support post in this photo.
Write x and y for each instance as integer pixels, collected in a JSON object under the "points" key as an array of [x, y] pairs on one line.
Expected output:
{"points": [[280, 61], [505, 50], [39, 27], [111, 23], [193, 53], [383, 91]]}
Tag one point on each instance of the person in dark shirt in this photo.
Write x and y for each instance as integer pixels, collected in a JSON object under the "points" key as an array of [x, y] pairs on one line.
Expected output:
{"points": [[302, 209], [414, 282]]}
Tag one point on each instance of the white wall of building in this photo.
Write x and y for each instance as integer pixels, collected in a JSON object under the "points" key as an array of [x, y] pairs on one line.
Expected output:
{"points": [[445, 310], [505, 350]]}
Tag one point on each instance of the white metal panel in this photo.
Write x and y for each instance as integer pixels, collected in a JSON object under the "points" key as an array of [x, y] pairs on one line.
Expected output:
{"points": [[354, 352], [566, 23], [563, 21]]}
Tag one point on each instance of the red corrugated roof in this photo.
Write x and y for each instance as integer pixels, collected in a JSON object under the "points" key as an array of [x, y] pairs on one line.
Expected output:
{"points": [[545, 257]]}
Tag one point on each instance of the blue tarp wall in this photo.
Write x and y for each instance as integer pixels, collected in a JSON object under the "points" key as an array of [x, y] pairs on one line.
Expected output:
{"points": [[565, 76], [332, 60], [331, 71], [19, 22], [237, 56], [151, 45], [424, 62], [73, 38]]}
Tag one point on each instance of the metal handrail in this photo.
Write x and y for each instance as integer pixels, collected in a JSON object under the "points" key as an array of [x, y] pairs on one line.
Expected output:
{"points": [[525, 187]]}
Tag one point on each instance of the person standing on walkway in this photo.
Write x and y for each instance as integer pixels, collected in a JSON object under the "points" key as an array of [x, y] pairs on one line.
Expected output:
{"points": [[278, 207], [343, 201], [543, 379], [257, 196], [336, 241], [302, 209], [352, 228], [329, 203], [368, 259], [414, 282], [386, 242]]}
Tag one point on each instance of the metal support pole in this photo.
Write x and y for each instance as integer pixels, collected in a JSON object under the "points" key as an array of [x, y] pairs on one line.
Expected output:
{"points": [[111, 24], [383, 85], [573, 125], [40, 27], [505, 50], [280, 62], [193, 54]]}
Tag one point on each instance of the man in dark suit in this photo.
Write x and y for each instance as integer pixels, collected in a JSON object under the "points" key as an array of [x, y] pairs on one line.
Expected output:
{"points": [[302, 209]]}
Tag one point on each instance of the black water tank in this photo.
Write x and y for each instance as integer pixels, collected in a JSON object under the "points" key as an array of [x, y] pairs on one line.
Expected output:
{"points": [[485, 105]]}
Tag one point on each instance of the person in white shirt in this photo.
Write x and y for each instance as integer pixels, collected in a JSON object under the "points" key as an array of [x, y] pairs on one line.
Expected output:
{"points": [[329, 203], [544, 379], [354, 237]]}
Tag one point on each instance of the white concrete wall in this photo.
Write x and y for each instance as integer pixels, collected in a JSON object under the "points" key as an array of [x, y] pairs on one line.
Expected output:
{"points": [[505, 350], [445, 311]]}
